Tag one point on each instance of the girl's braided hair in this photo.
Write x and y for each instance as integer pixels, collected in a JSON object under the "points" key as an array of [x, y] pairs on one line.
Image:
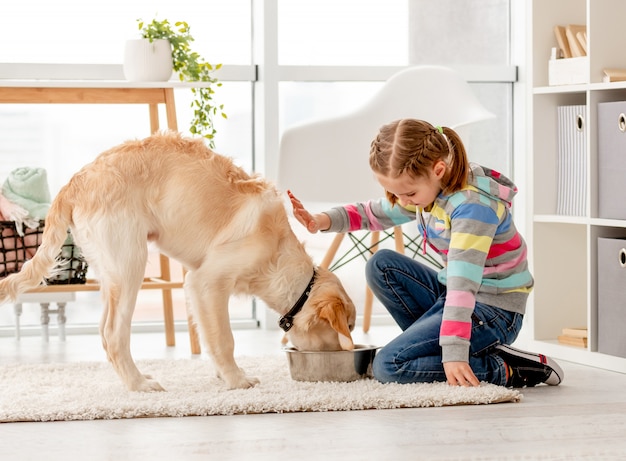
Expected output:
{"points": [[413, 146]]}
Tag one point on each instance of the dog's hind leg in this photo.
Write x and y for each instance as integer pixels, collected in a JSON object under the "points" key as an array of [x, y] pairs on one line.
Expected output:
{"points": [[121, 276], [208, 300]]}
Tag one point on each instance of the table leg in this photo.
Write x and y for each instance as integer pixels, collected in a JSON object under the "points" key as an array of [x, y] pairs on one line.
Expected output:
{"points": [[154, 118], [170, 109]]}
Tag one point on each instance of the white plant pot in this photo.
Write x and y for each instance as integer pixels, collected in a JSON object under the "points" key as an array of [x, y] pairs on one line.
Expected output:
{"points": [[146, 61]]}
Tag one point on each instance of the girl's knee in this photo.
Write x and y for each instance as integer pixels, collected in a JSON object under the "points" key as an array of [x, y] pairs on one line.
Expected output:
{"points": [[377, 263], [383, 368], [384, 254]]}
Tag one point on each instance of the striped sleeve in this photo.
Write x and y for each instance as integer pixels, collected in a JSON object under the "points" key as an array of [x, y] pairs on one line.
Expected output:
{"points": [[372, 215]]}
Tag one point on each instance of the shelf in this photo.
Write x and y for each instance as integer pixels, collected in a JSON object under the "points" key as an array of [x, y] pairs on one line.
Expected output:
{"points": [[561, 89], [581, 88], [564, 254], [563, 219], [151, 283]]}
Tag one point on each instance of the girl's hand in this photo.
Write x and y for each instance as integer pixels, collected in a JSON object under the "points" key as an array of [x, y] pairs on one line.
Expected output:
{"points": [[460, 374], [313, 223]]}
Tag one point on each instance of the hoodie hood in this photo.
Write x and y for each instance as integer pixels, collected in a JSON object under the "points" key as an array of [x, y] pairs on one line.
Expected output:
{"points": [[492, 183]]}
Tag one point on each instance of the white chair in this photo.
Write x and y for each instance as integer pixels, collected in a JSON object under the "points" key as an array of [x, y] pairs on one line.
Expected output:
{"points": [[327, 160]]}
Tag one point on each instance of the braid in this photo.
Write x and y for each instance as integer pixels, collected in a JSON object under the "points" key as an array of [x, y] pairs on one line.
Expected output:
{"points": [[413, 146]]}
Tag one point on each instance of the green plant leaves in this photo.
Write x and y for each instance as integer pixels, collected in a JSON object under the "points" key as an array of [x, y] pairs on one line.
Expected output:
{"points": [[191, 67]]}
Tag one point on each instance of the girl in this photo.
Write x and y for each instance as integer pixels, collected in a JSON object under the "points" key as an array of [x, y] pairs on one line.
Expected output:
{"points": [[456, 324]]}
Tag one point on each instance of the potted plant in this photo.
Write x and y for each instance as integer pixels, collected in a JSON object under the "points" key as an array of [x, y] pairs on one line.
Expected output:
{"points": [[189, 66]]}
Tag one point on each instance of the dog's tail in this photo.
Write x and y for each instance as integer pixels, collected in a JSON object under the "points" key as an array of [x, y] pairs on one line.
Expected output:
{"points": [[34, 271]]}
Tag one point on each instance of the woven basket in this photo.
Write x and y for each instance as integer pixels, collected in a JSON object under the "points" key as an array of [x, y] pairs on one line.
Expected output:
{"points": [[15, 250]]}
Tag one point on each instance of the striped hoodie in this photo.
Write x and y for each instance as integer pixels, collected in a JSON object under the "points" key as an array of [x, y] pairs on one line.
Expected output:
{"points": [[484, 256]]}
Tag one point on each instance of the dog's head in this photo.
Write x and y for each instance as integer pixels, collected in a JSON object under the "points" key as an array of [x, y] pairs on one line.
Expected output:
{"points": [[326, 319]]}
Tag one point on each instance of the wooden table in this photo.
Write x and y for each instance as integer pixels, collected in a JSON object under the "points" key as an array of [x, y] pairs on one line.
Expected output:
{"points": [[110, 92]]}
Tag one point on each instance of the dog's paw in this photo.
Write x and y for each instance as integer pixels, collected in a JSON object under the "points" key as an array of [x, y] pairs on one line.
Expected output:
{"points": [[240, 381], [245, 382], [148, 385]]}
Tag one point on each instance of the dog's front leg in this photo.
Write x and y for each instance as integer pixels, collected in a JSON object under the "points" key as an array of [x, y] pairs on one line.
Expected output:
{"points": [[221, 347], [211, 314]]}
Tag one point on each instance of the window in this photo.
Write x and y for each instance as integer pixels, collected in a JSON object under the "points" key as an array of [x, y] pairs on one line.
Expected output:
{"points": [[315, 37], [343, 33]]}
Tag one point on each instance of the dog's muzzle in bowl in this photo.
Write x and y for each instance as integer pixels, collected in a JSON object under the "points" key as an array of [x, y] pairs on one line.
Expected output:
{"points": [[342, 366]]}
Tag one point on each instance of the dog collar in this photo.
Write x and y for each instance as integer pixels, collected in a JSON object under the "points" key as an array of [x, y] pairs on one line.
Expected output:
{"points": [[286, 321]]}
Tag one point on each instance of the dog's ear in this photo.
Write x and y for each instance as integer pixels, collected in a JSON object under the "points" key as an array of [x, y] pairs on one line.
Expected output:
{"points": [[334, 313]]}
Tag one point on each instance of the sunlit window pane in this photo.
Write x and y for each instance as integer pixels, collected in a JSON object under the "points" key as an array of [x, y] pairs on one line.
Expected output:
{"points": [[346, 32], [94, 31]]}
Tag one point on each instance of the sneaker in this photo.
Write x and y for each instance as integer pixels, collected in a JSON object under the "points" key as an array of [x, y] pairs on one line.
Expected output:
{"points": [[529, 369]]}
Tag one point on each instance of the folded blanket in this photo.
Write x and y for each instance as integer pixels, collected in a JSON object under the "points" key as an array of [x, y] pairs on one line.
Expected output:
{"points": [[28, 188]]}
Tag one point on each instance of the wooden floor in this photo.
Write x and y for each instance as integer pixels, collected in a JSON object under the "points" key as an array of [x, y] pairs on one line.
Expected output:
{"points": [[584, 418]]}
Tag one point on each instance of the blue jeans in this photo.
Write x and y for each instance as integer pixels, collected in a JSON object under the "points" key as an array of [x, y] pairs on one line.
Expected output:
{"points": [[411, 293]]}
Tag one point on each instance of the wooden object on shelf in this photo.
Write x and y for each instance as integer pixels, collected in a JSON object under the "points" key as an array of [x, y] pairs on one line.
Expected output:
{"points": [[614, 75], [561, 40], [582, 39], [572, 341], [576, 47], [573, 337], [110, 92], [580, 332]]}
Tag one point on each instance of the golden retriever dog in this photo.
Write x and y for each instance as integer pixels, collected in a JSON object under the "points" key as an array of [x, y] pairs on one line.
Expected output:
{"points": [[229, 230]]}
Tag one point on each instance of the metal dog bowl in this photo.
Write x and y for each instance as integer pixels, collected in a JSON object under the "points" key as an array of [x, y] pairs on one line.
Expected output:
{"points": [[341, 366]]}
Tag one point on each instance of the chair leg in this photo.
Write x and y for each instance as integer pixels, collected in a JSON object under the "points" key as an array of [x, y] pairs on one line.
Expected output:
{"points": [[168, 304], [332, 251], [168, 312], [398, 239], [367, 309], [45, 321], [18, 313], [61, 320], [194, 339], [369, 296]]}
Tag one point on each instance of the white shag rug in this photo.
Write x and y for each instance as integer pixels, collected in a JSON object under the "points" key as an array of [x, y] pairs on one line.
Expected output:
{"points": [[92, 390]]}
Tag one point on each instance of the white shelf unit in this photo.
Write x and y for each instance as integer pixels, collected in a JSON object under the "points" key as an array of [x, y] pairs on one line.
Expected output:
{"points": [[563, 249]]}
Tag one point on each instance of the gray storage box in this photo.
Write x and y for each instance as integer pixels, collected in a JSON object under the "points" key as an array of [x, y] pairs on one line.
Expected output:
{"points": [[612, 296], [612, 160]]}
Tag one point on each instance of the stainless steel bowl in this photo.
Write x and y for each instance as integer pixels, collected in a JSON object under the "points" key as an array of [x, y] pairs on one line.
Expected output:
{"points": [[341, 366]]}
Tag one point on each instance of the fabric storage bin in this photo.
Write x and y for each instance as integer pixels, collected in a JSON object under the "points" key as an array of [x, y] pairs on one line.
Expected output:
{"points": [[612, 160], [572, 161], [612, 296]]}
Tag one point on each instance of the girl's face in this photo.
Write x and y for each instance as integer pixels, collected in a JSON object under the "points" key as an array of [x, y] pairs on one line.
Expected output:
{"points": [[420, 192]]}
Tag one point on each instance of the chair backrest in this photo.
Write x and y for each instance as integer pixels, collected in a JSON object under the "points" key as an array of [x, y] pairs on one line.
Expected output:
{"points": [[327, 160]]}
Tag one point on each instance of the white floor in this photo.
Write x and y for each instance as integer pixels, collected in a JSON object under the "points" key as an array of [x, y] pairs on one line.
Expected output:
{"points": [[584, 418]]}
